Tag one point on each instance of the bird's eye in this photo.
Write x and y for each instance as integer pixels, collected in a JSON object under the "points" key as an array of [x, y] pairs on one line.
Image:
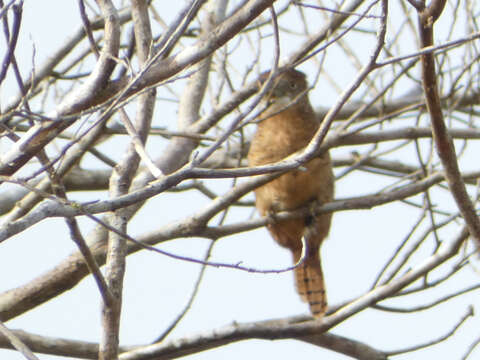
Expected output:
{"points": [[293, 85]]}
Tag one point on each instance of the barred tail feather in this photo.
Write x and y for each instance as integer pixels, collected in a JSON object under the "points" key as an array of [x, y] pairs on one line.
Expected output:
{"points": [[310, 283]]}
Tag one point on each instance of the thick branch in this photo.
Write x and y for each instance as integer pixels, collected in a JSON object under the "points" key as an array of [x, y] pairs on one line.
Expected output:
{"points": [[441, 136]]}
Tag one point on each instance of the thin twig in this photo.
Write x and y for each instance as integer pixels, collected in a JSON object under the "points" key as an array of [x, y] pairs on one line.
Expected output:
{"points": [[430, 305], [88, 28], [12, 39], [191, 299], [435, 341]]}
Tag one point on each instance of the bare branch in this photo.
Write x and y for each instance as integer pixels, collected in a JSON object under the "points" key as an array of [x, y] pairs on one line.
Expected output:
{"points": [[16, 342], [436, 341], [443, 141]]}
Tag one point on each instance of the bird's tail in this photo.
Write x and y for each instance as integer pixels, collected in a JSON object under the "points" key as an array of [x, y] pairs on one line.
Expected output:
{"points": [[310, 283]]}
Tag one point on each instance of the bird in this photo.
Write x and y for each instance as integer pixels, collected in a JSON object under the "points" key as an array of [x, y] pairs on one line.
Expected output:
{"points": [[285, 127]]}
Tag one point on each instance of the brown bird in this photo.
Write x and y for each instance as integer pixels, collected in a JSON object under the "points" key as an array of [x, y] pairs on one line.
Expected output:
{"points": [[288, 125]]}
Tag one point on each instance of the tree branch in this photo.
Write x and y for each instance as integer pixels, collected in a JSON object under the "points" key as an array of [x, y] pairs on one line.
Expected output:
{"points": [[444, 145]]}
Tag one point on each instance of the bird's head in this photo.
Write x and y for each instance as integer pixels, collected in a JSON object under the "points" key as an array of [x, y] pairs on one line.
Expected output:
{"points": [[290, 86]]}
